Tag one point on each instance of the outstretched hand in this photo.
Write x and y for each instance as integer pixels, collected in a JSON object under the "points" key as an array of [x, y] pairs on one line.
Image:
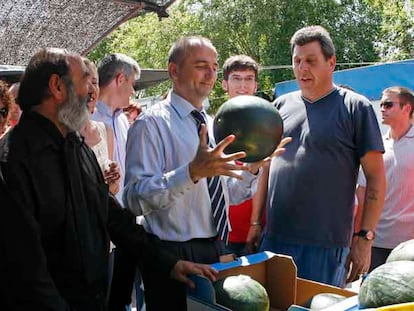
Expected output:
{"points": [[183, 269], [210, 162], [280, 149]]}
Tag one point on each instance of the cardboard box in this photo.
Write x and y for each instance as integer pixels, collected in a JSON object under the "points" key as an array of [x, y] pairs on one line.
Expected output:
{"points": [[277, 273]]}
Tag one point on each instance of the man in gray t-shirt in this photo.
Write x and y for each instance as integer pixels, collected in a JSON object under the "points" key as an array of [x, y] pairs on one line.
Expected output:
{"points": [[312, 185], [396, 224]]}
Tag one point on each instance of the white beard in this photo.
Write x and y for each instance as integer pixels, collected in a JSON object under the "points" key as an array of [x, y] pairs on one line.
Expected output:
{"points": [[74, 113]]}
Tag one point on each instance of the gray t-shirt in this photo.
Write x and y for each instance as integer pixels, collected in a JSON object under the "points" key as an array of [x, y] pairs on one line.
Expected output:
{"points": [[312, 185], [396, 224]]}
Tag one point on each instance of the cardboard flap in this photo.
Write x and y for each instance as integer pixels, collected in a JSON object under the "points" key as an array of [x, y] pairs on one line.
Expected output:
{"points": [[281, 282], [203, 290], [243, 261], [277, 273]]}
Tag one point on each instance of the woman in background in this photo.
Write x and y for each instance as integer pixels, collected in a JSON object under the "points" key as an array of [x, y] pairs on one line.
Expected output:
{"points": [[100, 137]]}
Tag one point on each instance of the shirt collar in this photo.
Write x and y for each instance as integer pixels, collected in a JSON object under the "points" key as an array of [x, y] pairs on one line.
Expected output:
{"points": [[409, 134], [105, 110], [181, 105]]}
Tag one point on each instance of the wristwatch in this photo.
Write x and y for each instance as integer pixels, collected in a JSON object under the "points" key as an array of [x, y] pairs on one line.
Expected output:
{"points": [[368, 235]]}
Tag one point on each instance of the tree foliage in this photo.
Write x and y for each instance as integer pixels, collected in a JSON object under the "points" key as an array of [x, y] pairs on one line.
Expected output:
{"points": [[397, 29], [261, 29]]}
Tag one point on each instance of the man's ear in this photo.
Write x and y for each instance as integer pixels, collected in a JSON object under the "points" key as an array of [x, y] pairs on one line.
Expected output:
{"points": [[332, 62], [57, 87], [225, 85], [120, 78], [173, 70], [407, 108]]}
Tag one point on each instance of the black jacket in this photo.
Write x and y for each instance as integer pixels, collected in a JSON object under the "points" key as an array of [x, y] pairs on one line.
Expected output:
{"points": [[68, 219]]}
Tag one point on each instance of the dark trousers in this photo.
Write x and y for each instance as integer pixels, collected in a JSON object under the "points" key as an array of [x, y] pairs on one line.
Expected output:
{"points": [[164, 293], [122, 280], [378, 256]]}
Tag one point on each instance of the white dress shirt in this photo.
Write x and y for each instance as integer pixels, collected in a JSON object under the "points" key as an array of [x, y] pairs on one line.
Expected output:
{"points": [[160, 146]]}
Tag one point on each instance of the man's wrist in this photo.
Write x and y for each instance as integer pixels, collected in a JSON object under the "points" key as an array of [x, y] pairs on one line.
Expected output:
{"points": [[368, 235], [255, 223]]}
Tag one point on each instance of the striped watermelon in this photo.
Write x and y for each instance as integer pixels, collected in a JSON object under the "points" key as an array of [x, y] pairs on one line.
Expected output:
{"points": [[388, 284], [241, 293]]}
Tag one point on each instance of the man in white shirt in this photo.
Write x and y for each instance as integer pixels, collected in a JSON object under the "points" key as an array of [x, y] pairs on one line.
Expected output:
{"points": [[169, 166], [396, 223], [117, 75]]}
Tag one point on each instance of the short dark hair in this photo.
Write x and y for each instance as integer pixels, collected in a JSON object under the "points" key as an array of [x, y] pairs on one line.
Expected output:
{"points": [[184, 45], [113, 64], [404, 94], [311, 34], [239, 62], [5, 96], [34, 86]]}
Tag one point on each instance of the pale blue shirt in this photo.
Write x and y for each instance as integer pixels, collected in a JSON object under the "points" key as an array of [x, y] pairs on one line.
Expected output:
{"points": [[160, 146], [119, 124]]}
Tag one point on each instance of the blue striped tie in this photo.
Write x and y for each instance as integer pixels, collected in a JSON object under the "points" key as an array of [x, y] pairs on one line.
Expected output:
{"points": [[215, 189]]}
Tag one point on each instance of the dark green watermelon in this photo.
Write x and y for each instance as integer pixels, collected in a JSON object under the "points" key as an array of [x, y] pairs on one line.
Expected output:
{"points": [[403, 251], [323, 301], [255, 122], [241, 293], [388, 284]]}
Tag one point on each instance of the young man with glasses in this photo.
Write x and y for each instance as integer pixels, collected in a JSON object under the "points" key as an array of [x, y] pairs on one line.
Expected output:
{"points": [[240, 73], [396, 223]]}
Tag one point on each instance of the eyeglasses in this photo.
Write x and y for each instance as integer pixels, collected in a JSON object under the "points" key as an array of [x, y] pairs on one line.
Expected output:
{"points": [[240, 79], [4, 111], [387, 104]]}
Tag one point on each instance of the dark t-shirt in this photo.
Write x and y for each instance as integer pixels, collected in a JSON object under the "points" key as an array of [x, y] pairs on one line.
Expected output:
{"points": [[312, 185]]}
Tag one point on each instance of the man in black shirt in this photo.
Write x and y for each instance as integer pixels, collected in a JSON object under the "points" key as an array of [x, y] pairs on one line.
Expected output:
{"points": [[68, 212]]}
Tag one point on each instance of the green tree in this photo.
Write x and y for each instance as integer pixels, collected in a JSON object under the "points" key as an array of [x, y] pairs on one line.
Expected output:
{"points": [[259, 28], [263, 28], [148, 40], [397, 29]]}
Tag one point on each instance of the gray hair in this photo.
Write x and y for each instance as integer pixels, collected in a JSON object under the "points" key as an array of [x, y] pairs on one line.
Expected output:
{"points": [[311, 34], [113, 64]]}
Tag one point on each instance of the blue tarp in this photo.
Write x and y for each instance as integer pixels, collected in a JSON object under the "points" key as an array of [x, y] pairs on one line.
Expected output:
{"points": [[369, 80]]}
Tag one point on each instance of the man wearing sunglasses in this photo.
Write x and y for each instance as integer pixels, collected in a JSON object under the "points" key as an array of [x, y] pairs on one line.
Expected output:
{"points": [[396, 223]]}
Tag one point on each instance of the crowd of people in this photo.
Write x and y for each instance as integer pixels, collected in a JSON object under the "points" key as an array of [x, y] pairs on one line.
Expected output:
{"points": [[96, 197]]}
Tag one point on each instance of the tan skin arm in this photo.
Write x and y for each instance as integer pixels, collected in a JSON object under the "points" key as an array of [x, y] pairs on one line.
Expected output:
{"points": [[360, 194], [359, 258], [259, 199], [112, 174], [258, 206], [110, 139]]}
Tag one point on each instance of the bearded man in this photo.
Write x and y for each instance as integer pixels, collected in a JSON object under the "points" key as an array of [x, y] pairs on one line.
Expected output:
{"points": [[53, 178]]}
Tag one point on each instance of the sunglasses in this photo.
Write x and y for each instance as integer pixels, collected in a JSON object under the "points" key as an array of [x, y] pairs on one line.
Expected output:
{"points": [[387, 104], [4, 111]]}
